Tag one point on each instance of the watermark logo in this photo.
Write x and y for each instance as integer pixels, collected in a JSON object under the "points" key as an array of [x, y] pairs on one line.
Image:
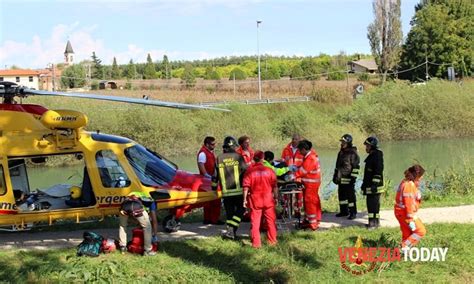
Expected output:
{"points": [[360, 260]]}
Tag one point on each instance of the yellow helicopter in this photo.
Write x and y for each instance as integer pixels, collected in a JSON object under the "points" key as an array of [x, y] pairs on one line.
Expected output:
{"points": [[108, 167]]}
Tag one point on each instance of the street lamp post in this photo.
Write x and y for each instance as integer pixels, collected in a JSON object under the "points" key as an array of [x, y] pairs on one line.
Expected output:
{"points": [[258, 55]]}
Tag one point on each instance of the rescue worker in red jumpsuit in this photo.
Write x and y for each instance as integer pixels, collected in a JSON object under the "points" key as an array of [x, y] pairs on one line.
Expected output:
{"points": [[260, 195], [310, 175], [206, 161], [245, 150], [407, 202], [292, 157]]}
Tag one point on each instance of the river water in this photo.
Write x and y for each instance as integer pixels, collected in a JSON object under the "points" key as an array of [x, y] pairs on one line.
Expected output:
{"points": [[436, 156]]}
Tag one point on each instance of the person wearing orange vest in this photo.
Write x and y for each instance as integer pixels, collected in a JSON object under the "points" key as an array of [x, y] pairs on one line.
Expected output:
{"points": [[260, 195], [407, 203], [290, 154], [206, 161], [245, 150], [292, 157], [310, 175]]}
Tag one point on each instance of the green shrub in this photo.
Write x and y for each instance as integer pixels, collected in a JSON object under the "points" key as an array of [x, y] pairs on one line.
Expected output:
{"points": [[94, 85], [336, 75], [128, 86], [363, 77], [238, 74]]}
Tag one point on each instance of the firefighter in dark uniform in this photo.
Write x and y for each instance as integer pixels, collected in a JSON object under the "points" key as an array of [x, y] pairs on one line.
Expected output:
{"points": [[230, 167], [345, 175], [372, 186]]}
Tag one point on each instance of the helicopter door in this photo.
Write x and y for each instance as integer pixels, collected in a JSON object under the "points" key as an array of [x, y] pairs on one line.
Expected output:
{"points": [[7, 202]]}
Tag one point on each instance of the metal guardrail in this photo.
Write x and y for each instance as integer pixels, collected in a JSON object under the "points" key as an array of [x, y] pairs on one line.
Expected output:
{"points": [[258, 101]]}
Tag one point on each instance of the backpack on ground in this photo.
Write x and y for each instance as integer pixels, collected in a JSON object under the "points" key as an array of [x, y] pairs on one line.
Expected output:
{"points": [[91, 245]]}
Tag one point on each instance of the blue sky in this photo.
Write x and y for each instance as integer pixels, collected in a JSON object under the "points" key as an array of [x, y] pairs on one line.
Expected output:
{"points": [[34, 33]]}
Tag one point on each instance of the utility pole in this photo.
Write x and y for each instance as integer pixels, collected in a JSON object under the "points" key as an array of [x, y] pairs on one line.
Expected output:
{"points": [[258, 55], [426, 65], [54, 77]]}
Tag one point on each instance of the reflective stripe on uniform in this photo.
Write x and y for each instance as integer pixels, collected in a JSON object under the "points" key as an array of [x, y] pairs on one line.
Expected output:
{"points": [[351, 204], [416, 236], [377, 215], [311, 216], [342, 202], [221, 173], [236, 218], [237, 176], [408, 243], [310, 180], [232, 223], [375, 180]]}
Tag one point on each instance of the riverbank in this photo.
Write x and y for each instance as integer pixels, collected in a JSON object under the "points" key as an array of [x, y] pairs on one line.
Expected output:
{"points": [[298, 257], [393, 112]]}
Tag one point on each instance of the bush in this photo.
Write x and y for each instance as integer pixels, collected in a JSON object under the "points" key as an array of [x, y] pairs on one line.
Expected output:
{"points": [[94, 85], [336, 75], [363, 77], [128, 86], [238, 73]]}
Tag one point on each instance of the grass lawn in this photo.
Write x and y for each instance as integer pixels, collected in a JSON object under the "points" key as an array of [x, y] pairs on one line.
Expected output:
{"points": [[299, 257]]}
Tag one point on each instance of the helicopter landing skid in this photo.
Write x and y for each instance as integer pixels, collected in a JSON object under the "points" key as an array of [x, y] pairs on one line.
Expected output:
{"points": [[17, 228]]}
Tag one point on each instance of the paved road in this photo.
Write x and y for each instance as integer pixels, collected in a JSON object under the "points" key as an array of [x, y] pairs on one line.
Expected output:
{"points": [[50, 240]]}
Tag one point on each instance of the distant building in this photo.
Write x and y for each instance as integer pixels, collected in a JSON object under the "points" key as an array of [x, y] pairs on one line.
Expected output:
{"points": [[23, 77], [46, 76], [68, 54], [363, 66]]}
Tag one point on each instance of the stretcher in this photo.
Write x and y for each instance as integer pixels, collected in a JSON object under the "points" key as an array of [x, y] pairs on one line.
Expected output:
{"points": [[287, 192]]}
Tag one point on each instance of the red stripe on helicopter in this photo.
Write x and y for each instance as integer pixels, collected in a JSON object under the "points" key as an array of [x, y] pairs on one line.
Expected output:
{"points": [[168, 200], [8, 212], [109, 205], [33, 109]]}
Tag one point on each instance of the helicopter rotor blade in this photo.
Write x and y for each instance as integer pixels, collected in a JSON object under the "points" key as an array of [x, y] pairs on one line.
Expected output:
{"points": [[121, 99]]}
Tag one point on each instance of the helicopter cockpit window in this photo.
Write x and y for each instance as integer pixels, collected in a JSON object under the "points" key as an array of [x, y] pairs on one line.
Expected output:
{"points": [[151, 169], [111, 172], [3, 189]]}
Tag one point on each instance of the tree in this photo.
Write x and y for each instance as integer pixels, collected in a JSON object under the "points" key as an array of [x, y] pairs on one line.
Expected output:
{"points": [[297, 73], [115, 73], [73, 77], [385, 35], [166, 68], [131, 70], [97, 68], [188, 76], [238, 74], [270, 72], [310, 69], [211, 73], [149, 72], [442, 33]]}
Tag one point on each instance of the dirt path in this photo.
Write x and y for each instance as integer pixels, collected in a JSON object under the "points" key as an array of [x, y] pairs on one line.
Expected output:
{"points": [[50, 240]]}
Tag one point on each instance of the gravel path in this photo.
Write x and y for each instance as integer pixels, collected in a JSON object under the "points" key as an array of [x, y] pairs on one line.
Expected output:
{"points": [[66, 239]]}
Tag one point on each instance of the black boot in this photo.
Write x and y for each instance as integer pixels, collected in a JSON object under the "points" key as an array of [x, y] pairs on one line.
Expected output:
{"points": [[371, 225], [352, 216], [377, 222]]}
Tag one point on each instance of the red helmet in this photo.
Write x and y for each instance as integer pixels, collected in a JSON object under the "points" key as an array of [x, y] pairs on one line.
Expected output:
{"points": [[109, 245]]}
